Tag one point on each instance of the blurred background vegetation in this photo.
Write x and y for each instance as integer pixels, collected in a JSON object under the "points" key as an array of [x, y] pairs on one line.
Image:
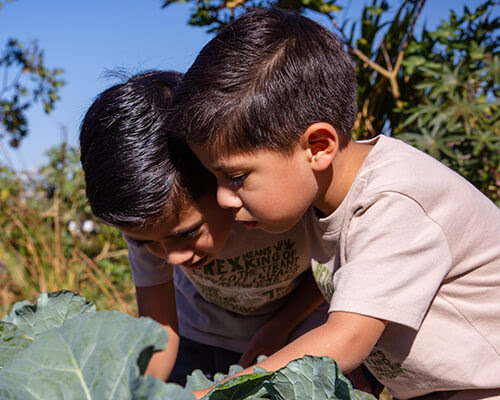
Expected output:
{"points": [[437, 90]]}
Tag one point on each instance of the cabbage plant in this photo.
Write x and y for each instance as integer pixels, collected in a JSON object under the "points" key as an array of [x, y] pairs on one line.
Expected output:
{"points": [[61, 347]]}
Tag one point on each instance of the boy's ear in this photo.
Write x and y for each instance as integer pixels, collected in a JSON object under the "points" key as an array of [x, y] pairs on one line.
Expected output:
{"points": [[322, 143]]}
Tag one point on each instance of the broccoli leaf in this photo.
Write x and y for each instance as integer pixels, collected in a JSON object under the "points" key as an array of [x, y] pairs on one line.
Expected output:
{"points": [[12, 341], [360, 395], [197, 380], [152, 388], [91, 356], [49, 311], [27, 321], [316, 378], [240, 387]]}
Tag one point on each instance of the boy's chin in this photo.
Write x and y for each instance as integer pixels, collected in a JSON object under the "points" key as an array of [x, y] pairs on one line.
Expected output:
{"points": [[273, 228]]}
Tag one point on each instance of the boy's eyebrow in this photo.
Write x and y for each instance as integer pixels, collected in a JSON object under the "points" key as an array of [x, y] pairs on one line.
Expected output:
{"points": [[221, 167], [216, 166]]}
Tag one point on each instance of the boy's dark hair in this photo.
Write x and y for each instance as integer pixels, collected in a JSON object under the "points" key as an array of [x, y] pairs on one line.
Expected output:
{"points": [[134, 170], [262, 81]]}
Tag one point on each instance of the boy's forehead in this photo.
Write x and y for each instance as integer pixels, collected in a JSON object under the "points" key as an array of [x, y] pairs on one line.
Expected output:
{"points": [[208, 157], [244, 160], [185, 213], [217, 161]]}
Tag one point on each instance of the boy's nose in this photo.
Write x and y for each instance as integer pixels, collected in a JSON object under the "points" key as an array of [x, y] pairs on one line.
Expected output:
{"points": [[179, 256], [227, 198]]}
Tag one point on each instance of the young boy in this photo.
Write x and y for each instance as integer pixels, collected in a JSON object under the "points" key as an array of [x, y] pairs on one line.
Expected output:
{"points": [[231, 297], [405, 250]]}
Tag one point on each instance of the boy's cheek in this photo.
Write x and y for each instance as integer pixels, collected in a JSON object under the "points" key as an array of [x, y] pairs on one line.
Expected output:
{"points": [[155, 249]]}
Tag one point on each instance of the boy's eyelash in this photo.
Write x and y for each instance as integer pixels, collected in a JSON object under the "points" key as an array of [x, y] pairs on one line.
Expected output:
{"points": [[192, 233], [189, 234], [237, 181]]}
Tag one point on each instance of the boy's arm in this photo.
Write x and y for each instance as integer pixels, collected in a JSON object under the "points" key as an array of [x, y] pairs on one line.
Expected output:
{"points": [[273, 335], [158, 303], [348, 338]]}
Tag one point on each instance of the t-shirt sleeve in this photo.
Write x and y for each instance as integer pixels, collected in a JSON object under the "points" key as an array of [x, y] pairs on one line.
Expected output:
{"points": [[396, 258], [147, 269]]}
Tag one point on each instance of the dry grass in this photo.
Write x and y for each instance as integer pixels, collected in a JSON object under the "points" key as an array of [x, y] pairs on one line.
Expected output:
{"points": [[35, 259], [39, 254]]}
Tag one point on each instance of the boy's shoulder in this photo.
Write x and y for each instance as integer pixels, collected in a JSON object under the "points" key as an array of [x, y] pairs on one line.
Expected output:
{"points": [[395, 166], [395, 176], [392, 158]]}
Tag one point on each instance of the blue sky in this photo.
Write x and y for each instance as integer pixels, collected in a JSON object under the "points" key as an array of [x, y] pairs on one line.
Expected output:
{"points": [[88, 38]]}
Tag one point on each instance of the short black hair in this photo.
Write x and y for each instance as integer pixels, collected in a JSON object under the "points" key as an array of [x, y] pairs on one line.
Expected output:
{"points": [[262, 81], [134, 169]]}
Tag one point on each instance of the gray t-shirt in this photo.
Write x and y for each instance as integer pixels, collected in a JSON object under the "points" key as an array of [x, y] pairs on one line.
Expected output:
{"points": [[417, 245], [226, 301]]}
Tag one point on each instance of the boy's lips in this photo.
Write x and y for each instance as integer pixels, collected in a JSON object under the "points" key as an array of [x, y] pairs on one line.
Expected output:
{"points": [[249, 224], [198, 263]]}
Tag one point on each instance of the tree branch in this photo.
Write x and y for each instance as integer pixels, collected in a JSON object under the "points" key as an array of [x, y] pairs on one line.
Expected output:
{"points": [[399, 60], [391, 73]]}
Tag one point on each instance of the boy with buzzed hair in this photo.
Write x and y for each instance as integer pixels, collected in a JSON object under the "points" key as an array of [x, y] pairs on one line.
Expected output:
{"points": [[224, 294], [406, 251]]}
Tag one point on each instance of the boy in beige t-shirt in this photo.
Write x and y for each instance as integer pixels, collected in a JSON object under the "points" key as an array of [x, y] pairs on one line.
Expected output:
{"points": [[406, 251]]}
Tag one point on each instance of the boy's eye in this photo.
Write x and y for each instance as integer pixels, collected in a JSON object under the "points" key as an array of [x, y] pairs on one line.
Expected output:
{"points": [[192, 233], [237, 181]]}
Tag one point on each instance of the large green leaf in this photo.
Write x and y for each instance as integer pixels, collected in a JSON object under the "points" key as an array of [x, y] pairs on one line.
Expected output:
{"points": [[315, 378], [240, 387], [151, 388], [49, 311], [12, 341], [197, 380], [91, 356], [360, 395]]}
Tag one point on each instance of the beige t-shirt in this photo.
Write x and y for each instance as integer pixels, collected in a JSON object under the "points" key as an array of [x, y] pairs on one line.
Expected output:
{"points": [[415, 244]]}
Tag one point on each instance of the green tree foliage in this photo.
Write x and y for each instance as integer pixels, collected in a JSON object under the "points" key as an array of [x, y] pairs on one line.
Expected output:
{"points": [[455, 75], [434, 89], [25, 81]]}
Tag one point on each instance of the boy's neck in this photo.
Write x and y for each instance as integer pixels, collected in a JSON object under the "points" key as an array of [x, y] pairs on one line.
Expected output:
{"points": [[337, 180]]}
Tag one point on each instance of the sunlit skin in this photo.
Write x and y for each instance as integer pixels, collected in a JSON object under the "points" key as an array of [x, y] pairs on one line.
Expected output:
{"points": [[243, 181], [191, 239]]}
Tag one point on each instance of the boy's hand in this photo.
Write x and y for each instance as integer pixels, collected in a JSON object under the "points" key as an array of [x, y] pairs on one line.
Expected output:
{"points": [[267, 340]]}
